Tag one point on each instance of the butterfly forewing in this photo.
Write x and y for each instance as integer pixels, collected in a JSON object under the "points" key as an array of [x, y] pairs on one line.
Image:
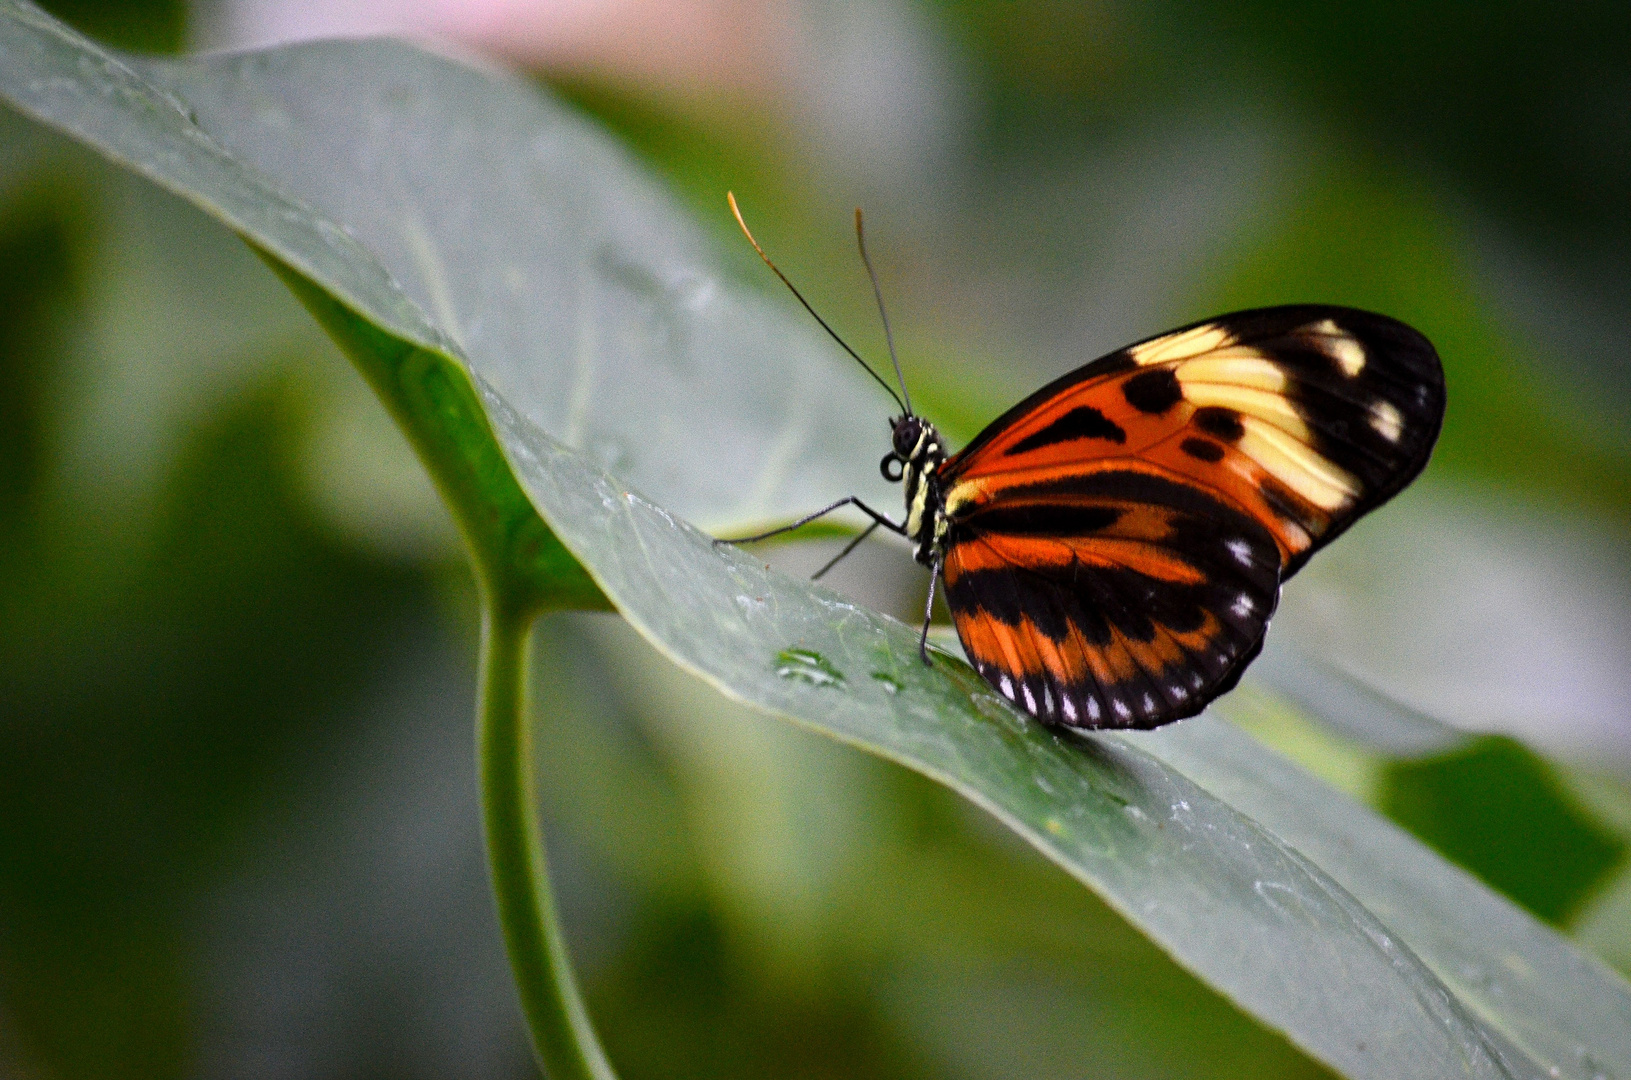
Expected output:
{"points": [[1117, 540]]}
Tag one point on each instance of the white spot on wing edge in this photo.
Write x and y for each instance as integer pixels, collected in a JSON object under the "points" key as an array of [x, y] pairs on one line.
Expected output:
{"points": [[1242, 606], [1339, 346], [1348, 353], [1030, 698], [1069, 707], [1385, 418], [1093, 708], [1121, 708], [1007, 688], [1241, 550]]}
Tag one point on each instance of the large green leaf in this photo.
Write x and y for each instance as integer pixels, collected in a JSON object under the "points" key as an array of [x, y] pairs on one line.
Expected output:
{"points": [[442, 220], [1566, 1009], [554, 268], [1309, 910]]}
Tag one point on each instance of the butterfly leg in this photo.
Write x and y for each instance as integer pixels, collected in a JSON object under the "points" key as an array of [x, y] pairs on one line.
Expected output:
{"points": [[877, 518], [928, 613], [849, 547]]}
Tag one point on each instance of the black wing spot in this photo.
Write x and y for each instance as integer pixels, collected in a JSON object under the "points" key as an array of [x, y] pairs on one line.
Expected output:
{"points": [[1202, 449], [1216, 420], [1041, 518], [1114, 364], [1153, 391], [1082, 422]]}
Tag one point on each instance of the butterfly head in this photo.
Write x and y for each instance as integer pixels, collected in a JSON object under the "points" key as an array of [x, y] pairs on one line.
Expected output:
{"points": [[915, 448]]}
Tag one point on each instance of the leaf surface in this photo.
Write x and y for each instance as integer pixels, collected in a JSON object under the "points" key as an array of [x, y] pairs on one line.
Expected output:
{"points": [[1306, 908], [546, 259]]}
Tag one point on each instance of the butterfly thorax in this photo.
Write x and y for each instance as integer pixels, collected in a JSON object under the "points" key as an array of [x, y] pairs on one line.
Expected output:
{"points": [[918, 451]]}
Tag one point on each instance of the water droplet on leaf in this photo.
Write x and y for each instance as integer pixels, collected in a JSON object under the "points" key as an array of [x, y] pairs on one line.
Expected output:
{"points": [[807, 666]]}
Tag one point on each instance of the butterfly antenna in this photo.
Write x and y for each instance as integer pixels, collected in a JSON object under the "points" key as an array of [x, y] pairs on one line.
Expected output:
{"points": [[731, 198], [888, 335]]}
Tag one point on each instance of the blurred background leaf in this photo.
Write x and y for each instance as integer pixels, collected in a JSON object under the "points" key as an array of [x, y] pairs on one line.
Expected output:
{"points": [[1044, 182], [1495, 808]]}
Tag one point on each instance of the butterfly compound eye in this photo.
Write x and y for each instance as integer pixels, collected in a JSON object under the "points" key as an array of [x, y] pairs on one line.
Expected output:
{"points": [[906, 434], [899, 470]]}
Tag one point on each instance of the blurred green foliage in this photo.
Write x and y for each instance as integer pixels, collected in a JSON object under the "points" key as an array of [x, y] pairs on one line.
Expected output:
{"points": [[178, 680], [1497, 809], [150, 26], [1513, 103], [1363, 231], [148, 725], [34, 277], [147, 716]]}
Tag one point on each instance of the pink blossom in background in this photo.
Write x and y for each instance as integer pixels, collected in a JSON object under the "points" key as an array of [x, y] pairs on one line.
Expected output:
{"points": [[868, 85], [688, 47]]}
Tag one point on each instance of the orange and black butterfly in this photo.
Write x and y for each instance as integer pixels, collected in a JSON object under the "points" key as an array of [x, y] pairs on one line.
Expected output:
{"points": [[1114, 545]]}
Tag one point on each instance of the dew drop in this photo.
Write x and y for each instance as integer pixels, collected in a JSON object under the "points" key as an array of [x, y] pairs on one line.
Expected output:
{"points": [[807, 666], [888, 682]]}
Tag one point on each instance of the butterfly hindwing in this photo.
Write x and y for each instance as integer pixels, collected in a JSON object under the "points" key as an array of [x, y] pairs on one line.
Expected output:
{"points": [[1115, 599], [1116, 542]]}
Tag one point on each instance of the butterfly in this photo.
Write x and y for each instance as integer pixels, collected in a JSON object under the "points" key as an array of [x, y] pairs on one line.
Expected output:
{"points": [[1113, 546]]}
